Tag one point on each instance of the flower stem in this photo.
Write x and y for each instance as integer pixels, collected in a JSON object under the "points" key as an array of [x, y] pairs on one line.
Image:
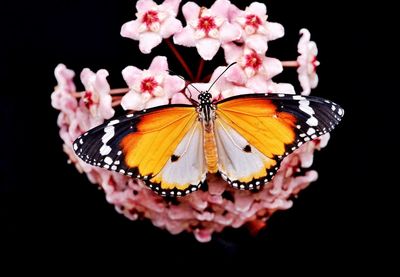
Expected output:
{"points": [[290, 64], [200, 70], [180, 58], [113, 91]]}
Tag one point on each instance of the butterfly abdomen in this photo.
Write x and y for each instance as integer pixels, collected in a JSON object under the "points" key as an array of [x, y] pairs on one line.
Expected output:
{"points": [[210, 150]]}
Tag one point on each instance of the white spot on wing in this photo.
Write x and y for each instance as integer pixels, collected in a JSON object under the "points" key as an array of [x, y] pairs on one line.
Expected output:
{"points": [[105, 150], [113, 122], [75, 146], [312, 121], [298, 97], [304, 105], [310, 131], [108, 160]]}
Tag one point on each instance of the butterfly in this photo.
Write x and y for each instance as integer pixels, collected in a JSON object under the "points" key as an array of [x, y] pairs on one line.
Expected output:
{"points": [[243, 138]]}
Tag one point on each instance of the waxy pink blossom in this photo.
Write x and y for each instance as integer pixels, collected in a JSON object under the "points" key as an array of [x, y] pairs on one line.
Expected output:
{"points": [[308, 62], [253, 70], [154, 22], [256, 30], [150, 88], [96, 96], [207, 28], [62, 98]]}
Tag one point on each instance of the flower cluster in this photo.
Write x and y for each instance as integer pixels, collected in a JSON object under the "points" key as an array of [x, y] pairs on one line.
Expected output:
{"points": [[242, 36]]}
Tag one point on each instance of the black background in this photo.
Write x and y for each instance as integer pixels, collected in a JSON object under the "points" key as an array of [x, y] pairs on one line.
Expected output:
{"points": [[48, 209]]}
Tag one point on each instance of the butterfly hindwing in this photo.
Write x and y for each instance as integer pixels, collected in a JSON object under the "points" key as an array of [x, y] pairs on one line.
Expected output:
{"points": [[255, 132], [158, 145]]}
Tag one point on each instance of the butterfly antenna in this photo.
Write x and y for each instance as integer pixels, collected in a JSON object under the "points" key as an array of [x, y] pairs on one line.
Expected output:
{"points": [[220, 75], [189, 84]]}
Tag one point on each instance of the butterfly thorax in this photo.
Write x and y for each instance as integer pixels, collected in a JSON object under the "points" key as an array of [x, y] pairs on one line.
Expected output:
{"points": [[206, 110]]}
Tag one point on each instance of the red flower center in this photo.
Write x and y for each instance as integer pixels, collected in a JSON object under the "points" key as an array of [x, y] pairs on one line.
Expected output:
{"points": [[88, 99], [206, 23], [150, 17], [148, 85], [253, 60], [314, 63], [253, 20]]}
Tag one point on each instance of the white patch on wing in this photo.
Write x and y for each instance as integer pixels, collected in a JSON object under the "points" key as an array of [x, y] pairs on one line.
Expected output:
{"points": [[304, 105], [189, 165], [234, 162]]}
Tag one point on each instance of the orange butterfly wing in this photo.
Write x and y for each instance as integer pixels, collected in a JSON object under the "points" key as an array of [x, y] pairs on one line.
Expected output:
{"points": [[159, 145], [255, 132]]}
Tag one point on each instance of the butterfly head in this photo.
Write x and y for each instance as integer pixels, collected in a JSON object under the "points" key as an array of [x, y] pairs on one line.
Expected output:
{"points": [[205, 98]]}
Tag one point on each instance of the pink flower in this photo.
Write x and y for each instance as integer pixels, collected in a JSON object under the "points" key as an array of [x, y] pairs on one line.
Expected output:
{"points": [[149, 88], [207, 28], [96, 97], [256, 30], [154, 22], [308, 62], [254, 70], [62, 98]]}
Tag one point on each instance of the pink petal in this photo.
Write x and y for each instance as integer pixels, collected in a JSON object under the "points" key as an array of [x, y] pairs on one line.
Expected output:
{"points": [[100, 84], [179, 98], [87, 77], [207, 48], [275, 30], [229, 32], [131, 75], [170, 27], [202, 235], [258, 84], [304, 82], [258, 43], [132, 101], [64, 76], [157, 101], [105, 106], [314, 80], [159, 65], [258, 9], [190, 11], [323, 141], [280, 88], [221, 8], [172, 5], [232, 52], [185, 37], [130, 29], [234, 12], [148, 40], [236, 75], [145, 5], [243, 202], [272, 66], [173, 84], [238, 90], [302, 47]]}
